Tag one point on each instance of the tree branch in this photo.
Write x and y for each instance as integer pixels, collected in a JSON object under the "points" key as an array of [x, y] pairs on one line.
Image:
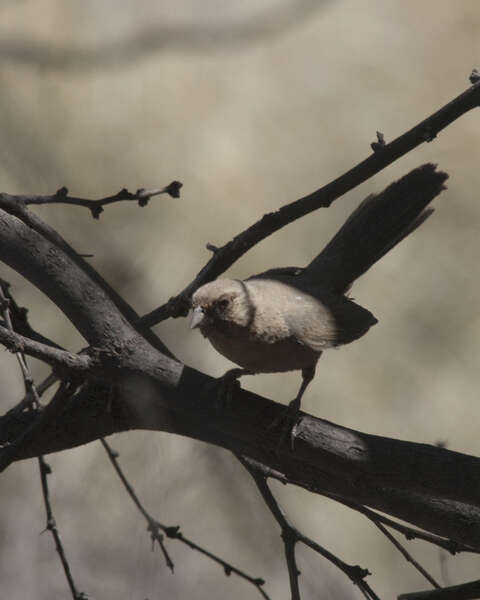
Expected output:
{"points": [[410, 533], [96, 206], [430, 487], [45, 470], [291, 536], [33, 395], [61, 360], [224, 257], [466, 591], [408, 557], [174, 532], [41, 255]]}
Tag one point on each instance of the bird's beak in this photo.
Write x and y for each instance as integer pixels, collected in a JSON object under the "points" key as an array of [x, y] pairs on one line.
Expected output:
{"points": [[198, 314]]}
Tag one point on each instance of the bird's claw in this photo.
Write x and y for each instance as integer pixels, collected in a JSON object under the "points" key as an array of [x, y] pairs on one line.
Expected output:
{"points": [[288, 421], [222, 388]]}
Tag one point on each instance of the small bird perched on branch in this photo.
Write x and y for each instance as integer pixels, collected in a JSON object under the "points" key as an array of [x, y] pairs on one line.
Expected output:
{"points": [[283, 319]]}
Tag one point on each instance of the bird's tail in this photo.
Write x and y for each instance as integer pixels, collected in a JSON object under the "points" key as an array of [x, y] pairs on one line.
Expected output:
{"points": [[379, 223]]}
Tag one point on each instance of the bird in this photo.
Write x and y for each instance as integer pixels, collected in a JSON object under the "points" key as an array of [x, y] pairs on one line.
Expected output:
{"points": [[283, 319]]}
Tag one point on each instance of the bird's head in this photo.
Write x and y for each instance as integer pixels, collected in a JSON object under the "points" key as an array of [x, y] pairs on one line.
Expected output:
{"points": [[220, 304]]}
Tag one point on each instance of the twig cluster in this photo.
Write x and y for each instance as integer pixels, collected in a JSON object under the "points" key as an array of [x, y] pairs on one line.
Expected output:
{"points": [[154, 527], [32, 399]]}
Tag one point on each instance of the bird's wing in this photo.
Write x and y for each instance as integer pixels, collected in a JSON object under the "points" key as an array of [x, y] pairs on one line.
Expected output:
{"points": [[283, 311]]}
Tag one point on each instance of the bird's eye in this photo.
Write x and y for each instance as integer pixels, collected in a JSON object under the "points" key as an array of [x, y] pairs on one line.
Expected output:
{"points": [[222, 304]]}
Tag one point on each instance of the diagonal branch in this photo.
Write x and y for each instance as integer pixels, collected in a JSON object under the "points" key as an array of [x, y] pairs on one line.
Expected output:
{"points": [[408, 557], [42, 257], [38, 252], [227, 255], [174, 532], [410, 533], [291, 536]]}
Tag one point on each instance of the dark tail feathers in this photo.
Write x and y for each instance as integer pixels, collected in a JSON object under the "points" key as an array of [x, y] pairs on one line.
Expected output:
{"points": [[379, 223]]}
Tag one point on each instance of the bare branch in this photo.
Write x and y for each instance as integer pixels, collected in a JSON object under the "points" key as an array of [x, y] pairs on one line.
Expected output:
{"points": [[291, 536], [413, 482], [409, 532], [21, 443], [61, 360], [432, 488], [408, 557], [77, 290], [45, 470], [96, 206], [30, 389], [174, 532], [228, 254], [53, 266], [34, 399]]}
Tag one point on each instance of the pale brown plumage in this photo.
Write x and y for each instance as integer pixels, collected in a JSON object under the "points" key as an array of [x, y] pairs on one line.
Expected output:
{"points": [[283, 319]]}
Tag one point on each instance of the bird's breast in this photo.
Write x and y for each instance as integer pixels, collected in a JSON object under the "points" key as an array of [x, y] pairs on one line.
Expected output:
{"points": [[250, 352]]}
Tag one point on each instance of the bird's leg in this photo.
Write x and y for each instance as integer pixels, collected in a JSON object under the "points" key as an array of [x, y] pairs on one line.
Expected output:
{"points": [[308, 373], [288, 419]]}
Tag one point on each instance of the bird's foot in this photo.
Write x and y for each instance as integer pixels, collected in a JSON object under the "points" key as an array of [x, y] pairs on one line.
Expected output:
{"points": [[223, 387], [288, 421]]}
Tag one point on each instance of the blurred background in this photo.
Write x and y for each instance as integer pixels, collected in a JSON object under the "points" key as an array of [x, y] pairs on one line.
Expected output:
{"points": [[251, 105]]}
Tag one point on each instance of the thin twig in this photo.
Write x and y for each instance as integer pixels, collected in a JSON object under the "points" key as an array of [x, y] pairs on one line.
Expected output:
{"points": [[406, 554], [96, 206], [225, 256], [33, 397], [25, 402], [173, 532], [291, 536], [410, 533], [30, 390], [59, 359], [10, 452], [45, 470]]}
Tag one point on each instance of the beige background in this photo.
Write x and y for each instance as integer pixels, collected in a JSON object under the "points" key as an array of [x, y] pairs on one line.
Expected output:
{"points": [[250, 105]]}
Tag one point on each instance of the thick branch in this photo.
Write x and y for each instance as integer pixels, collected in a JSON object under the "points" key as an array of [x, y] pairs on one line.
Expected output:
{"points": [[466, 591], [41, 255], [414, 482], [433, 488], [78, 292]]}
